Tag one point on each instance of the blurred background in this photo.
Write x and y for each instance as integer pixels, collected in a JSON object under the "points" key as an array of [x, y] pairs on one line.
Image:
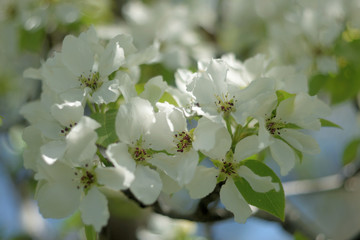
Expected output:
{"points": [[320, 38]]}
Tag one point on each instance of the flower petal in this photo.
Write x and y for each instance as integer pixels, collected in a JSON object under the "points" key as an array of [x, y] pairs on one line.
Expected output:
{"points": [[94, 209], [77, 55], [258, 183], [68, 112], [203, 182], [181, 167], [283, 155], [107, 93], [246, 148], [58, 199], [81, 141], [116, 178], [300, 141], [234, 201], [134, 119], [111, 59], [147, 185], [119, 155], [52, 151]]}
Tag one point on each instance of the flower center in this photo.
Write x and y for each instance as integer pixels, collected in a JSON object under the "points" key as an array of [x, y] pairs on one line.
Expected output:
{"points": [[91, 81], [65, 131], [139, 154], [183, 141], [225, 104], [85, 177], [228, 168], [273, 126]]}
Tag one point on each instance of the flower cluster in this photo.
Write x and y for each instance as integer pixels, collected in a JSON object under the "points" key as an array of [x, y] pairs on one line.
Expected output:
{"points": [[93, 129]]}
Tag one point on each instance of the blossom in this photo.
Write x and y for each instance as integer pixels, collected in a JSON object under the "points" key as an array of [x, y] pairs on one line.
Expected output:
{"points": [[63, 189], [218, 99], [228, 167], [133, 122], [280, 131], [169, 133]]}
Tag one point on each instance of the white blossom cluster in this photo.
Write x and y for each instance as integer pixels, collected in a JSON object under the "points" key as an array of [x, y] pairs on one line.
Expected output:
{"points": [[239, 108]]}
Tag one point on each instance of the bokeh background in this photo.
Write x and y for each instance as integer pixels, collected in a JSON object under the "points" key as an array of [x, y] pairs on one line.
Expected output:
{"points": [[320, 38]]}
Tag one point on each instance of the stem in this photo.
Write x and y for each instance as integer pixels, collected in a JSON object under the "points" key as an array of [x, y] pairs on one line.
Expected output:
{"points": [[92, 109], [228, 125]]}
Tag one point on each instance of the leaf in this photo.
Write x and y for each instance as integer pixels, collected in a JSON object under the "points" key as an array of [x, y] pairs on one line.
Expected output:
{"points": [[166, 97], [300, 236], [327, 123], [32, 40], [316, 83], [351, 151], [273, 202], [106, 133], [90, 233], [282, 95]]}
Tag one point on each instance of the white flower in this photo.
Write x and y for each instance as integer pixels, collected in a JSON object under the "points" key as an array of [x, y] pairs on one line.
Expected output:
{"points": [[133, 122], [227, 167], [218, 99], [301, 110], [63, 189], [169, 133]]}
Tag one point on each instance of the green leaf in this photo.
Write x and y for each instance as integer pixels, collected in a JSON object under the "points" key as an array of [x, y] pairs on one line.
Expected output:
{"points": [[327, 123], [106, 133], [282, 95], [351, 151], [300, 236], [166, 97], [316, 83], [1, 121], [32, 40], [90, 233], [273, 202]]}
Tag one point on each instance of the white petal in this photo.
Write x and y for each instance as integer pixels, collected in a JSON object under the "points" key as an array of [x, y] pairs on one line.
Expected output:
{"points": [[57, 76], [67, 113], [116, 178], [134, 119], [147, 185], [257, 99], [303, 110], [154, 89], [126, 42], [283, 155], [143, 56], [74, 95], [81, 141], [161, 137], [203, 182], [181, 167], [247, 147], [170, 186], [126, 86], [258, 183], [217, 70], [303, 142], [111, 59], [58, 200], [119, 155], [52, 151], [77, 55], [234, 201], [107, 93], [94, 209], [208, 135]]}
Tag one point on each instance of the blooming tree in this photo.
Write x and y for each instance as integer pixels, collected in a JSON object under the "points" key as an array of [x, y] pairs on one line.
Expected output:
{"points": [[95, 128]]}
